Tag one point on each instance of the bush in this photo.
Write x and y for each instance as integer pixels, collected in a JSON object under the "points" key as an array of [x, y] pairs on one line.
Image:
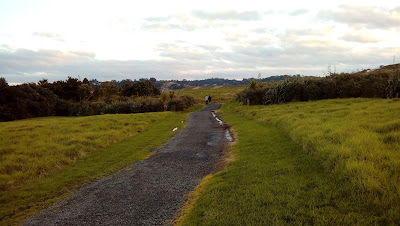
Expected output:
{"points": [[255, 95], [63, 107], [374, 84], [26, 101], [137, 105], [181, 103]]}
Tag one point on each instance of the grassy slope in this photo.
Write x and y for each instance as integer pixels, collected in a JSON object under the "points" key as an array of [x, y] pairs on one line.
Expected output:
{"points": [[33, 148], [219, 94], [339, 164], [354, 139], [272, 181], [20, 202]]}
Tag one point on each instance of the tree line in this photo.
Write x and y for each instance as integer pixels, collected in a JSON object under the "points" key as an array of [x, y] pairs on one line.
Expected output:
{"points": [[380, 83], [73, 97], [180, 84]]}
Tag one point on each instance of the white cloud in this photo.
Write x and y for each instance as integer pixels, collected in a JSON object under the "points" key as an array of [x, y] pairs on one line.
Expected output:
{"points": [[175, 39], [360, 16], [49, 35], [298, 12], [362, 38]]}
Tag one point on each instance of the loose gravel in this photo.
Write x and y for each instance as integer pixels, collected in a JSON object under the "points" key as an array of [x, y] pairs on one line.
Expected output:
{"points": [[150, 192]]}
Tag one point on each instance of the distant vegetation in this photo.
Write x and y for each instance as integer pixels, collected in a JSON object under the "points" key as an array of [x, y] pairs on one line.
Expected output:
{"points": [[381, 83], [82, 98], [77, 98], [219, 94], [180, 84]]}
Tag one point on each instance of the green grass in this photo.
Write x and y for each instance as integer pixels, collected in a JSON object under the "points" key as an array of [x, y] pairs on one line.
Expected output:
{"points": [[27, 198], [219, 94], [355, 139], [272, 181], [33, 148]]}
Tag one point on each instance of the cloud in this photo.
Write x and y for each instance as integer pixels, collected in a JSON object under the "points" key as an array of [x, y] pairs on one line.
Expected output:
{"points": [[363, 16], [235, 36], [167, 27], [31, 66], [315, 31], [361, 38], [199, 20], [49, 35], [228, 15], [298, 12]]}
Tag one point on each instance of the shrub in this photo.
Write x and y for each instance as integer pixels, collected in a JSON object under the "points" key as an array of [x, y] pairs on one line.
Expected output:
{"points": [[63, 107], [181, 103], [137, 105], [254, 95], [26, 101], [374, 84]]}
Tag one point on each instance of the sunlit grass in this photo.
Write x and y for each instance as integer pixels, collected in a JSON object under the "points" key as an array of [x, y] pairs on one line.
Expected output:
{"points": [[33, 148], [219, 94], [105, 144], [354, 139], [272, 181]]}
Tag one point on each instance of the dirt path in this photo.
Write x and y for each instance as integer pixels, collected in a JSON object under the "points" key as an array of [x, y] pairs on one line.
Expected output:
{"points": [[150, 192]]}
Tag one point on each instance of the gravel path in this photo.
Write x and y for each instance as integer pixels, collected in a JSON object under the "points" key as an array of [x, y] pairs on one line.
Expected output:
{"points": [[150, 192]]}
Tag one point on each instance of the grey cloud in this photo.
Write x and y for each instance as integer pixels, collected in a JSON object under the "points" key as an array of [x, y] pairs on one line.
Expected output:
{"points": [[298, 12], [24, 65], [366, 16], [49, 35], [30, 66], [184, 60]]}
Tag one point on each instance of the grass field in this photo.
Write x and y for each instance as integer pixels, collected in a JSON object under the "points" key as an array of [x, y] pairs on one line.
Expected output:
{"points": [[44, 159], [324, 162], [219, 94]]}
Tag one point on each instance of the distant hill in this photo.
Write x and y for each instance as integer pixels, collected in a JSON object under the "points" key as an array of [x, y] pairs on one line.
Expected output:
{"points": [[180, 84]]}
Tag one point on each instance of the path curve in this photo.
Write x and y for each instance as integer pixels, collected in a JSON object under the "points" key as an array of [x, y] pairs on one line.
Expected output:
{"points": [[150, 192]]}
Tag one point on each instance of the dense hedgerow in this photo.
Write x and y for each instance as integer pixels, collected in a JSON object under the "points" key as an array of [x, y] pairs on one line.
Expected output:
{"points": [[75, 98], [374, 84]]}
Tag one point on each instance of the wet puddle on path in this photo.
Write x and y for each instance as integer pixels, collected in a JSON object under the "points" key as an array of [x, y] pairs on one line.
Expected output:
{"points": [[228, 135]]}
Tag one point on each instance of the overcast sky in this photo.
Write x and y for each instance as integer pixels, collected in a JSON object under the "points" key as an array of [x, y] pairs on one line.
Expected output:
{"points": [[193, 39]]}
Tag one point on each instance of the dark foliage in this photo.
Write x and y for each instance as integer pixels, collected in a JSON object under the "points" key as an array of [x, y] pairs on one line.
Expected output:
{"points": [[26, 101], [181, 103], [72, 89], [138, 105], [373, 84], [75, 98], [145, 88]]}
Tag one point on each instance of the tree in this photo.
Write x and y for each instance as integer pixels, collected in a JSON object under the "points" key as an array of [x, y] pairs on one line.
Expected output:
{"points": [[86, 81], [141, 88], [3, 83]]}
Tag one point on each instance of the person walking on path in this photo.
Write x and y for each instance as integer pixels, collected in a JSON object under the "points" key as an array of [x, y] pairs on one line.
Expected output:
{"points": [[209, 99], [206, 100]]}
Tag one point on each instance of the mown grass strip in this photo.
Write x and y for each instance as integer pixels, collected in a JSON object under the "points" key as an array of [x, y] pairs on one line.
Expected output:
{"points": [[274, 182], [18, 204]]}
